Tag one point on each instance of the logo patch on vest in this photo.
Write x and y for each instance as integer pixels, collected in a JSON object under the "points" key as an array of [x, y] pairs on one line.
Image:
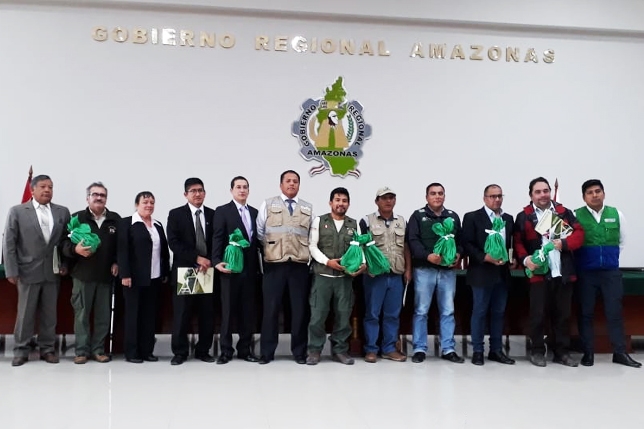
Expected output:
{"points": [[611, 220], [111, 230], [306, 210]]}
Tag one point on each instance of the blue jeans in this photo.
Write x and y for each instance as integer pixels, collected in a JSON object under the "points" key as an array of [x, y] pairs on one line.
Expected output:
{"points": [[384, 294], [490, 298], [426, 281]]}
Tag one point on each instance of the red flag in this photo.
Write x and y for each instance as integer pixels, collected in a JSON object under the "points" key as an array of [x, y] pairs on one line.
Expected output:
{"points": [[26, 195]]}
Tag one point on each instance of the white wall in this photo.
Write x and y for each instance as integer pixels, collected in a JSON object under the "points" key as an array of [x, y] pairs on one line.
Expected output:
{"points": [[146, 117]]}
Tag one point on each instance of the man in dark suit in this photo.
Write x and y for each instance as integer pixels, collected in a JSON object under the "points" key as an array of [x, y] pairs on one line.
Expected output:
{"points": [[237, 289], [488, 277], [33, 236], [190, 229]]}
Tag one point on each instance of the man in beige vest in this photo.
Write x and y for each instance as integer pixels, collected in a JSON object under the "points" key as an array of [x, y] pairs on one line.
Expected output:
{"points": [[383, 293], [283, 224]]}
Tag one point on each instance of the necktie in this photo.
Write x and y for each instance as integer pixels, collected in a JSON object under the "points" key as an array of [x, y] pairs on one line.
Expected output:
{"points": [[202, 249], [44, 222], [243, 211], [290, 206]]}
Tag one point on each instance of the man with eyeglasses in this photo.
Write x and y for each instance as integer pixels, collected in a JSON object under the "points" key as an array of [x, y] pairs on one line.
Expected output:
{"points": [[540, 222], [489, 277], [190, 232], [92, 275], [431, 276]]}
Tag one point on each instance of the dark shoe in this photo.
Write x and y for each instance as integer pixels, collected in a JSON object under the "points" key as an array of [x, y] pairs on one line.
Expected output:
{"points": [[477, 358], [500, 357], [151, 358], [178, 360], [19, 361], [49, 358], [453, 357], [566, 360], [249, 358], [588, 359], [343, 358], [300, 360], [313, 358], [134, 360], [223, 359], [205, 358], [538, 359], [418, 357], [263, 360], [625, 359]]}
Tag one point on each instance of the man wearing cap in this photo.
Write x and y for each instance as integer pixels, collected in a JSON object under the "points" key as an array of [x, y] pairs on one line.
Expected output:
{"points": [[430, 275], [383, 293], [598, 269]]}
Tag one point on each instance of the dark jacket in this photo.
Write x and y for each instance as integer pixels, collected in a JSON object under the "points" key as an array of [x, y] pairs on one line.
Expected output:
{"points": [[97, 267], [182, 238], [479, 272], [527, 240], [421, 238], [227, 219], [135, 252]]}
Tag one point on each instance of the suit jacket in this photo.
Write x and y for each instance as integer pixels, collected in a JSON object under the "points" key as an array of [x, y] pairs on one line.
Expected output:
{"points": [[479, 272], [227, 219], [182, 237], [134, 251], [26, 253]]}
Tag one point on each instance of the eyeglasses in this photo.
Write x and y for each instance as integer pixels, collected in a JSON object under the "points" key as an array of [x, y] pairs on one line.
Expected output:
{"points": [[495, 196], [197, 191], [98, 195]]}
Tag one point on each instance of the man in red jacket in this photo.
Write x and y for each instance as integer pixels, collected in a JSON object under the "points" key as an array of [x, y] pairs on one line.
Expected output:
{"points": [[550, 293]]}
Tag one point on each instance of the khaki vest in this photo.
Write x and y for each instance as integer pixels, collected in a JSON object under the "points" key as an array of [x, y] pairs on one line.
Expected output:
{"points": [[286, 237], [390, 241], [334, 243]]}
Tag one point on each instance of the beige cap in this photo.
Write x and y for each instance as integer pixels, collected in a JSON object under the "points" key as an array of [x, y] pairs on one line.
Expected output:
{"points": [[384, 191]]}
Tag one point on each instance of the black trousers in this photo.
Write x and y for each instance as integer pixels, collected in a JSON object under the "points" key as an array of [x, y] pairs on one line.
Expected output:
{"points": [[184, 307], [237, 304], [140, 319], [550, 301], [278, 278], [609, 284]]}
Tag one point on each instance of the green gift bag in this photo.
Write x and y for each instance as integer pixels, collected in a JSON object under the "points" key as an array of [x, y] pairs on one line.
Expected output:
{"points": [[494, 243], [354, 256], [234, 255], [540, 257], [82, 232], [446, 245], [377, 262]]}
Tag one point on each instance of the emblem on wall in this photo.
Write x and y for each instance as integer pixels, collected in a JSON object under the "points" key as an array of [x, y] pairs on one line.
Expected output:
{"points": [[331, 130]]}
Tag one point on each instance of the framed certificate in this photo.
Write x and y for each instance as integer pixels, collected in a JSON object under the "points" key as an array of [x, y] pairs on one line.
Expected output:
{"points": [[190, 281]]}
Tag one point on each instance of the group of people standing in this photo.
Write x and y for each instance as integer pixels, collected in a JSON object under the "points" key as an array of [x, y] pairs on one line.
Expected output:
{"points": [[287, 242]]}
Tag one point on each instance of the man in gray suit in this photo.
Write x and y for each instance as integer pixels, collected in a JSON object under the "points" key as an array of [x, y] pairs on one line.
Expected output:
{"points": [[33, 233]]}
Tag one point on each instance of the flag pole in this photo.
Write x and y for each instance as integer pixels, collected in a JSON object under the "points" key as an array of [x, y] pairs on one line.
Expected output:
{"points": [[556, 189]]}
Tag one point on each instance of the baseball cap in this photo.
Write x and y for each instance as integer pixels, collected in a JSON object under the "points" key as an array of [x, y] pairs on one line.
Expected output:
{"points": [[384, 191]]}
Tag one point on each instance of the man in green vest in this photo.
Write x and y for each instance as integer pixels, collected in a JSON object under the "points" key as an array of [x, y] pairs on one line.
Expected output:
{"points": [[330, 237], [598, 270]]}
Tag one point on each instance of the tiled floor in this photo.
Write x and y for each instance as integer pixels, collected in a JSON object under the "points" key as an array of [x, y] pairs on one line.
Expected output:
{"points": [[284, 395]]}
